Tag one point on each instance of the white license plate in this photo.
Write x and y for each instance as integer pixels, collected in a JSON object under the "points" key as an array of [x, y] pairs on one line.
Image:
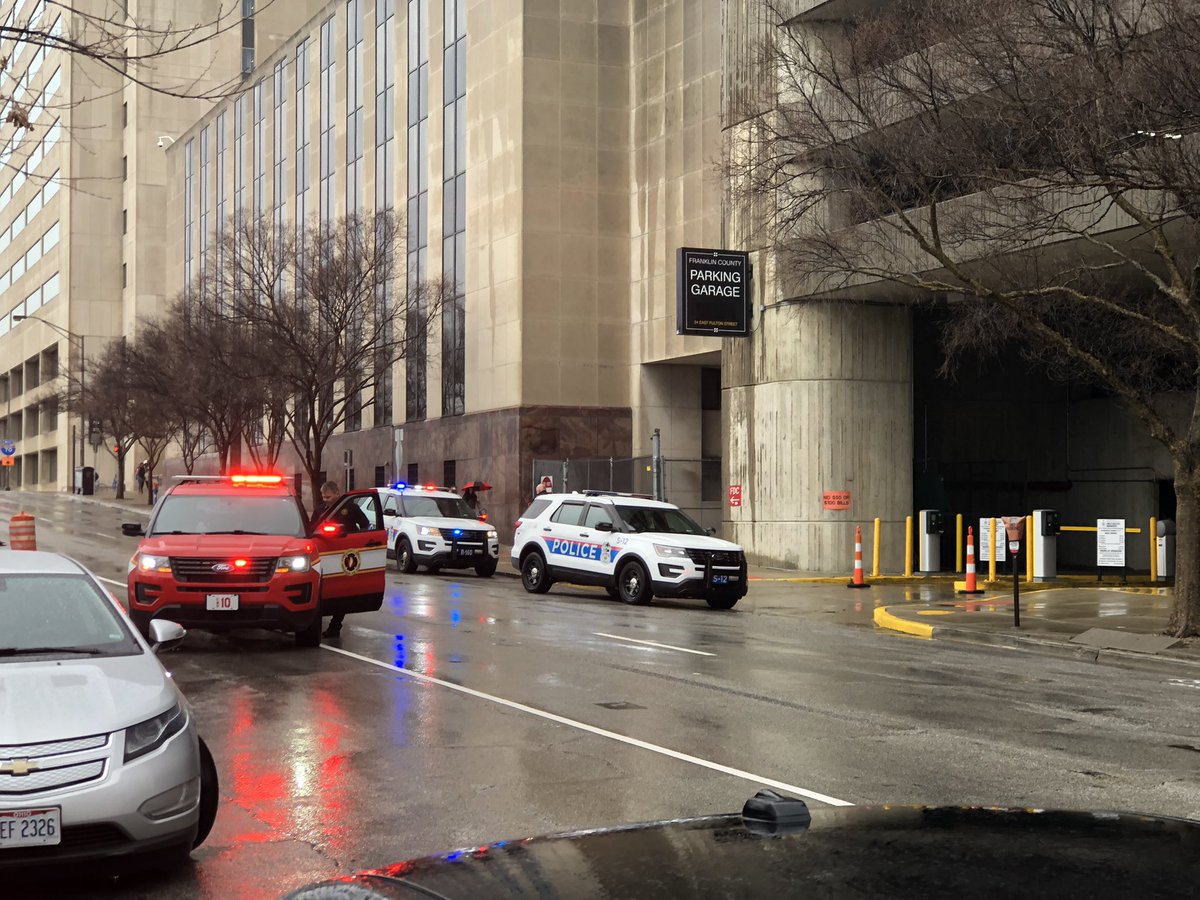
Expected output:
{"points": [[221, 602], [30, 827]]}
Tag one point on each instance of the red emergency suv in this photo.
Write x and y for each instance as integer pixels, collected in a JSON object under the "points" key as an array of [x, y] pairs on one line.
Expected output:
{"points": [[240, 552]]}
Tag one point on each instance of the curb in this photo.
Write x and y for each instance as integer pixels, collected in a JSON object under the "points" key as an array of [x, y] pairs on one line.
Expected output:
{"points": [[1124, 658], [885, 619], [111, 504]]}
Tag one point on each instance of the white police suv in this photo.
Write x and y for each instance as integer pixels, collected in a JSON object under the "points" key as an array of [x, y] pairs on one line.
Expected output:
{"points": [[433, 527], [634, 547]]}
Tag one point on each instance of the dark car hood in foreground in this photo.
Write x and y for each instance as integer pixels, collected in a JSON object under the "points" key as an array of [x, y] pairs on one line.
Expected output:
{"points": [[848, 852]]}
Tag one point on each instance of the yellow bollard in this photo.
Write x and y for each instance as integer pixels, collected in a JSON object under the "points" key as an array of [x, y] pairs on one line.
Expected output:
{"points": [[958, 544], [1029, 549], [875, 550], [908, 546], [1153, 550], [992, 553]]}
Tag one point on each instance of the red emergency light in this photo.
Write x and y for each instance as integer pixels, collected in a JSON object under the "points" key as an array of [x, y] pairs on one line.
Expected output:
{"points": [[256, 479], [241, 563]]}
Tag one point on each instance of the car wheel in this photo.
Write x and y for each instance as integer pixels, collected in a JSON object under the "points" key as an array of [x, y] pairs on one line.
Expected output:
{"points": [[404, 557], [720, 602], [310, 636], [534, 575], [486, 569], [612, 592], [210, 796], [633, 583]]}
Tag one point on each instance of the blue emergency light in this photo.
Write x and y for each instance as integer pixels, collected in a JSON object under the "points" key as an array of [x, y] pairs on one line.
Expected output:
{"points": [[399, 486]]}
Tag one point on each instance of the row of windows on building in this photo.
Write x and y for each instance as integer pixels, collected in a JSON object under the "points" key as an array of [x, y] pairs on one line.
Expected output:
{"points": [[30, 469], [454, 169]]}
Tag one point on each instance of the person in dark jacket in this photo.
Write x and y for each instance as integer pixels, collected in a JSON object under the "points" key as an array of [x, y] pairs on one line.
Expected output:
{"points": [[329, 494]]}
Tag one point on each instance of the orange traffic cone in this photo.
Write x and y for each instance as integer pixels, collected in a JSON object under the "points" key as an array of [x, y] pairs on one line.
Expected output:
{"points": [[858, 566], [21, 532], [971, 585]]}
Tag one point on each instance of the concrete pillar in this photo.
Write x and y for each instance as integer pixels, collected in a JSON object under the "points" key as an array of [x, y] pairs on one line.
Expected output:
{"points": [[819, 400]]}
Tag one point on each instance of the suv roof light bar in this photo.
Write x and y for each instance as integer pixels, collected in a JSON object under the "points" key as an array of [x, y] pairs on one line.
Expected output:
{"points": [[614, 494]]}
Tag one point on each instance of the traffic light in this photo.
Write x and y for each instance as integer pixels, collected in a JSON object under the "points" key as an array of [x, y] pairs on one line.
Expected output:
{"points": [[117, 449]]}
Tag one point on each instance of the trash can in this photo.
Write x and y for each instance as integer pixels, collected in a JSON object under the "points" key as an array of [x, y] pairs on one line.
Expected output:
{"points": [[85, 480]]}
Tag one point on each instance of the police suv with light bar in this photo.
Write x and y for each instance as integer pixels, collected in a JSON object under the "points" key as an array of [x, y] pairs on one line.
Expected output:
{"points": [[433, 527], [635, 547]]}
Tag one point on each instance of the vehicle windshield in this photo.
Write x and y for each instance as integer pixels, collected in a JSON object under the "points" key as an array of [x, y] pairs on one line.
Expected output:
{"points": [[228, 514], [59, 615], [443, 507], [657, 520]]}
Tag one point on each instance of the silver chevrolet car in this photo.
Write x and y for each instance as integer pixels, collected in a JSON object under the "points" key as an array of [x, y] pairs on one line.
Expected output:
{"points": [[99, 755]]}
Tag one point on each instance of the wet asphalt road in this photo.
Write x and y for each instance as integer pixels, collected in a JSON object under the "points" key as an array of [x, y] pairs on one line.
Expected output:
{"points": [[466, 711]]}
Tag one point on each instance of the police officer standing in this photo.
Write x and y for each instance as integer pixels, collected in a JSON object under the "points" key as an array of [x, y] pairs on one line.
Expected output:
{"points": [[329, 494]]}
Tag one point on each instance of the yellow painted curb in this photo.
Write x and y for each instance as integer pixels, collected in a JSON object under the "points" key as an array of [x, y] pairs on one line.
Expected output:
{"points": [[885, 619]]}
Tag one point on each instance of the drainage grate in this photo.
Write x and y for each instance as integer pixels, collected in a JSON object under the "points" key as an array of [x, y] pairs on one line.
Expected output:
{"points": [[620, 704]]}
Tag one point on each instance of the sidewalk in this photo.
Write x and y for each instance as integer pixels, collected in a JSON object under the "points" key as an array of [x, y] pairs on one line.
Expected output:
{"points": [[133, 502], [1121, 624]]}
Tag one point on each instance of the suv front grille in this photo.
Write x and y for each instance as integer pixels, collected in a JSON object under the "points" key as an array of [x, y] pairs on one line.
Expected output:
{"points": [[188, 568], [718, 557]]}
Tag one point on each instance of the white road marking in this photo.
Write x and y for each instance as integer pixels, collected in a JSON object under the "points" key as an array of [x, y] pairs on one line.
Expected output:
{"points": [[111, 537], [617, 637], [592, 729], [123, 584]]}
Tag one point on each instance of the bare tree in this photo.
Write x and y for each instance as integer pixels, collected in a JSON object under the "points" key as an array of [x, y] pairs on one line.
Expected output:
{"points": [[132, 45], [316, 299], [1033, 165], [196, 360], [110, 397]]}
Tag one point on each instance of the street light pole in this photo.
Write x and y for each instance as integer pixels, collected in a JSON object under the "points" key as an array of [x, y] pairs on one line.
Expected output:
{"points": [[72, 337]]}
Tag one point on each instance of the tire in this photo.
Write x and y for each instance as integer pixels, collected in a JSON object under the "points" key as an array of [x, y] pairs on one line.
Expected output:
{"points": [[612, 592], [633, 584], [404, 557], [486, 569], [310, 636], [722, 602], [535, 577], [210, 794]]}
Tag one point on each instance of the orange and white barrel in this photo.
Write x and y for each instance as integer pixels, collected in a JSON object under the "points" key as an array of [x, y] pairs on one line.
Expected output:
{"points": [[22, 535]]}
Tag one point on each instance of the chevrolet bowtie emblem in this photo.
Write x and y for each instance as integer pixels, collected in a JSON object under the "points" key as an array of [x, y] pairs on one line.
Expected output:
{"points": [[18, 767]]}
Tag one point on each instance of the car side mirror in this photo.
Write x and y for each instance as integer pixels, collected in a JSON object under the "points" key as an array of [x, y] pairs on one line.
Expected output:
{"points": [[132, 529], [165, 635], [328, 529], [604, 526]]}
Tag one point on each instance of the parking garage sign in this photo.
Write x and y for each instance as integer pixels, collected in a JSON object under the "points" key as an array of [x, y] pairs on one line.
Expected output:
{"points": [[712, 292]]}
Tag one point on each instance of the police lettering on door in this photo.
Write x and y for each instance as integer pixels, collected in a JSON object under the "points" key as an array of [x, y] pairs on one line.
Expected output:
{"points": [[582, 550], [577, 549]]}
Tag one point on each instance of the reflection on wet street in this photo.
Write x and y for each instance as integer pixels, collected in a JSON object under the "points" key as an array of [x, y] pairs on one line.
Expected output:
{"points": [[577, 711]]}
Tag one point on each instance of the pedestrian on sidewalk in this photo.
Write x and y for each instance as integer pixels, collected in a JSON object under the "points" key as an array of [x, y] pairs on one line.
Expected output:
{"points": [[140, 475]]}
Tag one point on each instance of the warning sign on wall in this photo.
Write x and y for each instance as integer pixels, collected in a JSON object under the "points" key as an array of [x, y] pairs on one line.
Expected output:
{"points": [[835, 500]]}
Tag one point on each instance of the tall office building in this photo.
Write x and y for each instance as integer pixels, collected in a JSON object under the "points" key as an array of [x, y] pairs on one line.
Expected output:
{"points": [[83, 195], [548, 158]]}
